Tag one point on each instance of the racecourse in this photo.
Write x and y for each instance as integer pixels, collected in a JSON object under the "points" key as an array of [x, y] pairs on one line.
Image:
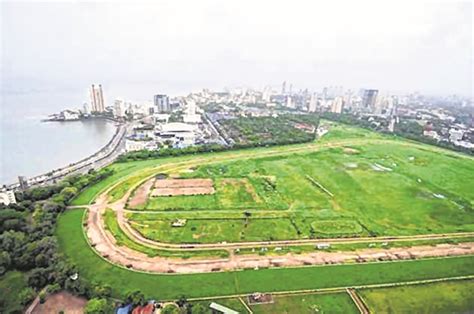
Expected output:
{"points": [[350, 186]]}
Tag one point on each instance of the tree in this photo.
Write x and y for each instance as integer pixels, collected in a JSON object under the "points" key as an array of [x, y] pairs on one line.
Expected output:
{"points": [[247, 215], [5, 262], [199, 308], [26, 295], [99, 306], [135, 297]]}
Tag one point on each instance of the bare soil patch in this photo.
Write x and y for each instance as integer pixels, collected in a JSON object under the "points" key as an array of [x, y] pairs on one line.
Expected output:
{"points": [[141, 194], [352, 151], [173, 187], [61, 301]]}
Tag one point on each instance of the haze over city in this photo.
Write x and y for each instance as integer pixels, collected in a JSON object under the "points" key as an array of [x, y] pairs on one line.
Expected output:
{"points": [[180, 46]]}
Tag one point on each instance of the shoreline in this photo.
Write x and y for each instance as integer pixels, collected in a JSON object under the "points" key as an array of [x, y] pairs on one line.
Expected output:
{"points": [[97, 160]]}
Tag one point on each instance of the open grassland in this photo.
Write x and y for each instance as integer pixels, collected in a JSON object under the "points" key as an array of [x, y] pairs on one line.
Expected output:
{"points": [[304, 303], [366, 184], [308, 303], [122, 239], [93, 268], [11, 284], [372, 189], [445, 297]]}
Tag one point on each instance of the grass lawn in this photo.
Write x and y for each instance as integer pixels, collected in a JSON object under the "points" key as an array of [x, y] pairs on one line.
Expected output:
{"points": [[217, 230], [121, 237], [390, 187], [11, 284], [387, 188], [308, 303], [445, 297], [92, 267]]}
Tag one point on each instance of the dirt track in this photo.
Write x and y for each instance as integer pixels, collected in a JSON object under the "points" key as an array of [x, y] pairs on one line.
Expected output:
{"points": [[104, 244]]}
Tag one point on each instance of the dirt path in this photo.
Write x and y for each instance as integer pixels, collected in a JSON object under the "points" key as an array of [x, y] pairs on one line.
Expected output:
{"points": [[104, 243]]}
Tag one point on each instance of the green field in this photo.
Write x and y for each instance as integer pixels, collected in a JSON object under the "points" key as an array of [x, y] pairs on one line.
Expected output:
{"points": [[350, 183], [122, 239], [388, 187], [445, 297], [338, 302], [11, 284], [92, 267], [308, 303]]}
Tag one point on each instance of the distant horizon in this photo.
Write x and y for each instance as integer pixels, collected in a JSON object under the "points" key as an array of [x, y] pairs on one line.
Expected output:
{"points": [[390, 46]]}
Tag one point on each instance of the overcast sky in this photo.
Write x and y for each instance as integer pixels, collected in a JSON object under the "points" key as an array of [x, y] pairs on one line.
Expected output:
{"points": [[177, 46]]}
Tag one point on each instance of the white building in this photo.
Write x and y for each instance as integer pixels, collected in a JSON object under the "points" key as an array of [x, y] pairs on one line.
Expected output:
{"points": [[455, 135], [313, 103], [179, 134], [337, 105], [69, 115], [86, 109], [132, 146], [190, 115], [7, 197], [119, 108]]}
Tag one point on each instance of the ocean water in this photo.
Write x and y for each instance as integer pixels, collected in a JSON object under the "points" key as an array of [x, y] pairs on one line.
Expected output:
{"points": [[30, 147]]}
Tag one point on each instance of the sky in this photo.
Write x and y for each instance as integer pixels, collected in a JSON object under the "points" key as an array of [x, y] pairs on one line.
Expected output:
{"points": [[175, 47]]}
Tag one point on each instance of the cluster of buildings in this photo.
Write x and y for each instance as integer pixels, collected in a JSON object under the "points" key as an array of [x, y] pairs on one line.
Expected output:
{"points": [[175, 123], [447, 119]]}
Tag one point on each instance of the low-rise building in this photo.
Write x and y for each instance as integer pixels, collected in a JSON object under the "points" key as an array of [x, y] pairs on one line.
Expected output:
{"points": [[7, 197], [132, 146], [178, 134]]}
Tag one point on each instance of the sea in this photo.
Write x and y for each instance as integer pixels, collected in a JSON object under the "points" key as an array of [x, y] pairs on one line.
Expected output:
{"points": [[30, 147]]}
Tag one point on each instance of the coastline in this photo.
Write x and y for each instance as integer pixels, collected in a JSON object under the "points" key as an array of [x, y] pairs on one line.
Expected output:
{"points": [[99, 159]]}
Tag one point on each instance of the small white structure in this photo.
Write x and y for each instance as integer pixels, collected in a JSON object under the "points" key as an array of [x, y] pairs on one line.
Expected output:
{"points": [[7, 197], [178, 223], [323, 246], [217, 308], [132, 146]]}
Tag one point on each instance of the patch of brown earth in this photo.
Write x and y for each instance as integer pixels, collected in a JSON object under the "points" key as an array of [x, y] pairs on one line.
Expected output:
{"points": [[141, 194], [173, 187], [352, 151], [61, 301]]}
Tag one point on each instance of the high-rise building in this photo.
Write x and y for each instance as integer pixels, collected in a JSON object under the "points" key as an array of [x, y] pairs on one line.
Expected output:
{"points": [[162, 103], [337, 105], [23, 182], [97, 99], [283, 88], [313, 103], [267, 93], [289, 102], [369, 98]]}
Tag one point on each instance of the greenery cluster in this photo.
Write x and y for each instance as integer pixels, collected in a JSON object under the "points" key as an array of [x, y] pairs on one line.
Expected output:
{"points": [[27, 241], [267, 131]]}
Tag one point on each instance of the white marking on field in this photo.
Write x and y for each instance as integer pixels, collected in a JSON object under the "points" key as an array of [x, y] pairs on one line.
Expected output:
{"points": [[378, 167]]}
